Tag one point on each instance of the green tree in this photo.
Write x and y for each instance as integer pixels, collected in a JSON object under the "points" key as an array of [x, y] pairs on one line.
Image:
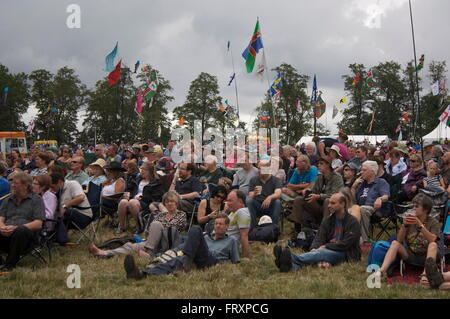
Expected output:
{"points": [[16, 102], [202, 103], [155, 114], [431, 107], [285, 116], [58, 99], [110, 111], [357, 116]]}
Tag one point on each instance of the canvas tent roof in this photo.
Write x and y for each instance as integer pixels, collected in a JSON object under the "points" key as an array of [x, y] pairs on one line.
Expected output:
{"points": [[440, 133], [372, 139]]}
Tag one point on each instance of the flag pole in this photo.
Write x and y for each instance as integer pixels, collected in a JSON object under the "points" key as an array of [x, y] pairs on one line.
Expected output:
{"points": [[235, 82], [417, 117]]}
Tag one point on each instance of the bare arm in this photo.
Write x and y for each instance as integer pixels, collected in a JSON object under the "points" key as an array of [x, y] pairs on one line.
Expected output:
{"points": [[244, 242]]}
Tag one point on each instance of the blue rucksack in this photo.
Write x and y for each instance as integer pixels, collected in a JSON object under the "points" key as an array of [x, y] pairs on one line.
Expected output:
{"points": [[377, 253]]}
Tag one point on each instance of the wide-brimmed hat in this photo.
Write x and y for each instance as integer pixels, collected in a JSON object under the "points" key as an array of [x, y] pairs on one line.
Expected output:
{"points": [[99, 162], [402, 148], [337, 149], [427, 143], [352, 166], [115, 166], [128, 149], [165, 164], [265, 219]]}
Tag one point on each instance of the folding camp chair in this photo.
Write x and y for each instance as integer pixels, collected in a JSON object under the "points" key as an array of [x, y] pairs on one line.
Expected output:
{"points": [[93, 195], [197, 201], [386, 219]]}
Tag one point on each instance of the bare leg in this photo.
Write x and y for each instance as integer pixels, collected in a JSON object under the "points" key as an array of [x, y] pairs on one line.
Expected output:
{"points": [[396, 248], [123, 206], [94, 250], [432, 252], [134, 208]]}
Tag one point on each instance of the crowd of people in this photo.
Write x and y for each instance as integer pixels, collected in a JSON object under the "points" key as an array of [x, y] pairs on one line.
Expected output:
{"points": [[334, 187]]}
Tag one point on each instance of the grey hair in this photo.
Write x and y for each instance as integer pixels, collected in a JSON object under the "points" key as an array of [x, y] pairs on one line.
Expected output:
{"points": [[372, 165], [312, 144]]}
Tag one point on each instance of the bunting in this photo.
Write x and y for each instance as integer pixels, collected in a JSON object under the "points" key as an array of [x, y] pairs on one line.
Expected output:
{"points": [[150, 92], [356, 79], [114, 76], [421, 63]]}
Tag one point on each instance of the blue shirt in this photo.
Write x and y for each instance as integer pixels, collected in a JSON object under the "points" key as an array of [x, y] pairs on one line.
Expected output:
{"points": [[308, 177], [4, 188], [367, 194]]}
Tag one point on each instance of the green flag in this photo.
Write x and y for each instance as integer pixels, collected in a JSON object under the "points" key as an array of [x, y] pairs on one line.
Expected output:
{"points": [[150, 92]]}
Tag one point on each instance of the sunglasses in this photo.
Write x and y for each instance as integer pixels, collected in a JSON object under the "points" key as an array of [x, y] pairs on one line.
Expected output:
{"points": [[75, 162], [221, 197]]}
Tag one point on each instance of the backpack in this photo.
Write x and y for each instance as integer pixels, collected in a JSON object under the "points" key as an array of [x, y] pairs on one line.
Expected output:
{"points": [[377, 253], [267, 233], [304, 239]]}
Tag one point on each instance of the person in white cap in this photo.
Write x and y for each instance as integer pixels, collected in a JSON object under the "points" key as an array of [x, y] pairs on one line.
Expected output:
{"points": [[335, 156]]}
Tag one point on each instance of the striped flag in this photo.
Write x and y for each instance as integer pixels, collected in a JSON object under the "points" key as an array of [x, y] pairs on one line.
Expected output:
{"points": [[253, 48]]}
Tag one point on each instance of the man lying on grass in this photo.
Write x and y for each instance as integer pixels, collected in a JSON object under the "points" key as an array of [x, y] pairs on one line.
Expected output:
{"points": [[337, 240], [203, 251]]}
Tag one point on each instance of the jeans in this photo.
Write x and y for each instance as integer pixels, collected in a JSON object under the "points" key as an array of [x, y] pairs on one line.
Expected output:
{"points": [[255, 208], [195, 247], [73, 215], [319, 255]]}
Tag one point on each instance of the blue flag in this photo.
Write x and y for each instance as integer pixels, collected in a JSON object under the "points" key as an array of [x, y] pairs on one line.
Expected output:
{"points": [[109, 60], [314, 91], [276, 85], [231, 79]]}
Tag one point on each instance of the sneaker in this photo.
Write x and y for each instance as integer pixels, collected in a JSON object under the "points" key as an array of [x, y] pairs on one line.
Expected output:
{"points": [[131, 269], [433, 274], [285, 260], [277, 249]]}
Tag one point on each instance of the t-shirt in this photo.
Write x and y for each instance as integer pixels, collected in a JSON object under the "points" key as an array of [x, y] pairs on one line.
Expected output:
{"points": [[71, 190], [238, 220], [338, 230], [190, 185], [242, 178], [415, 239], [224, 249], [211, 177], [308, 177], [29, 209], [268, 188], [368, 193]]}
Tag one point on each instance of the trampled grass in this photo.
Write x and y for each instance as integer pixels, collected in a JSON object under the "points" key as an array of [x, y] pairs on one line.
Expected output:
{"points": [[257, 278]]}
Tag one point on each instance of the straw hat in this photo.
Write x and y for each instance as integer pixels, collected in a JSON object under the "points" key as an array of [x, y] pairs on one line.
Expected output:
{"points": [[337, 149]]}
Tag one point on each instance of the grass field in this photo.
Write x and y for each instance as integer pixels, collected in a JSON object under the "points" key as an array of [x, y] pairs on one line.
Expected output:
{"points": [[257, 278]]}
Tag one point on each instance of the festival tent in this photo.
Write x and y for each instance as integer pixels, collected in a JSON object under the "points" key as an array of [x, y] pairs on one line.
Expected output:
{"points": [[440, 133], [357, 139]]}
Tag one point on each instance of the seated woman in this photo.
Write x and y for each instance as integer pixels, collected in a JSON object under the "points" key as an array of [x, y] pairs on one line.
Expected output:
{"points": [[168, 216], [129, 157], [414, 179], [416, 239], [42, 160], [41, 186], [114, 184], [65, 158], [209, 208], [98, 176], [146, 189]]}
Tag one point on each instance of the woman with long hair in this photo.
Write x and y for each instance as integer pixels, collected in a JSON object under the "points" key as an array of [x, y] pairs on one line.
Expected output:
{"points": [[65, 158], [147, 188]]}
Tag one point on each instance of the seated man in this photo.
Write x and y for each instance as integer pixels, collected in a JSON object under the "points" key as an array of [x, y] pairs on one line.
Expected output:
{"points": [[264, 195], [187, 186], [21, 217], [314, 207], [76, 173], [211, 173], [203, 251], [337, 240], [370, 192], [72, 201], [239, 220], [303, 177], [244, 175]]}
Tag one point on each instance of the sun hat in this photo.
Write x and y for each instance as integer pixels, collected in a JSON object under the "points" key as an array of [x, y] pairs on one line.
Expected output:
{"points": [[115, 166], [336, 149], [99, 162], [265, 219]]}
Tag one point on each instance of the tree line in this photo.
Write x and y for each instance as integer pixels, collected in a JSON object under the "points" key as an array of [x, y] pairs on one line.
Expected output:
{"points": [[110, 116]]}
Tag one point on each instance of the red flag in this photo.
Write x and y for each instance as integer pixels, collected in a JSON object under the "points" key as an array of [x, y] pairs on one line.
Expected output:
{"points": [[138, 108], [356, 79], [114, 76]]}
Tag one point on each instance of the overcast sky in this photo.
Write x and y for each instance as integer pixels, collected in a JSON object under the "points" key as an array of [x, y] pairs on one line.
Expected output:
{"points": [[183, 38]]}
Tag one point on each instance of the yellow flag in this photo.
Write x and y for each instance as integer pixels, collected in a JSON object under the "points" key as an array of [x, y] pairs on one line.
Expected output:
{"points": [[343, 100]]}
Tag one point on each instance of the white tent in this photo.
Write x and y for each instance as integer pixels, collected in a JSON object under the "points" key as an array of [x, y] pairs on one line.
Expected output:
{"points": [[372, 139], [440, 133]]}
